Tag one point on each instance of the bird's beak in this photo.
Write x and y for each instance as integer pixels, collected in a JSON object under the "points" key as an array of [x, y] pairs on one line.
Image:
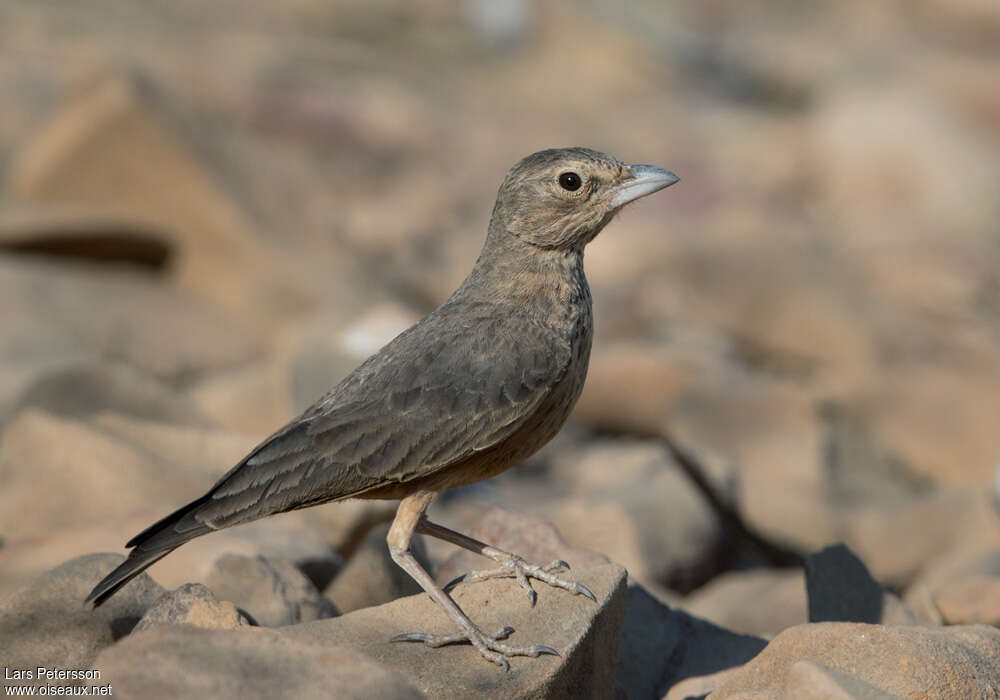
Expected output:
{"points": [[643, 180]]}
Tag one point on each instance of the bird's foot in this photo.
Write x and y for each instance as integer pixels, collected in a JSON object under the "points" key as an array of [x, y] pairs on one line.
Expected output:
{"points": [[513, 566], [490, 646]]}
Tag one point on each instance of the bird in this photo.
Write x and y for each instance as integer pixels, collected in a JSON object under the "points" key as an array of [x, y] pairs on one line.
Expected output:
{"points": [[477, 386]]}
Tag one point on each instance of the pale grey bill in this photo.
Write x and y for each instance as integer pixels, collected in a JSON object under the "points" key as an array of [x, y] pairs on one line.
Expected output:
{"points": [[646, 179]]}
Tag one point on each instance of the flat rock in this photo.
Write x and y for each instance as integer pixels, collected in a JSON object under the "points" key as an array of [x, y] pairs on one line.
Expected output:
{"points": [[192, 604], [901, 661], [584, 634], [181, 661], [273, 591], [46, 624], [660, 647]]}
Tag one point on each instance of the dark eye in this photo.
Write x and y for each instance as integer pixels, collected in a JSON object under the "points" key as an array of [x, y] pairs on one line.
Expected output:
{"points": [[570, 181]]}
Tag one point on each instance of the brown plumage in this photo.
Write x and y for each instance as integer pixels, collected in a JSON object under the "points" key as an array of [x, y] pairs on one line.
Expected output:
{"points": [[478, 385]]}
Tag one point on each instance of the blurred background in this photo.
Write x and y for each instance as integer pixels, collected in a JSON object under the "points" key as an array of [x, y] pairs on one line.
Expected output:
{"points": [[210, 212]]}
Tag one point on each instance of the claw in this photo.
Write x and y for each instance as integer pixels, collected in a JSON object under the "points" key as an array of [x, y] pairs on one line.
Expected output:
{"points": [[411, 637], [454, 582], [488, 645], [583, 590]]}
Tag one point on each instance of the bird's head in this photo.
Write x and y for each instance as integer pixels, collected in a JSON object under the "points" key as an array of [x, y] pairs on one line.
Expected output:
{"points": [[563, 197]]}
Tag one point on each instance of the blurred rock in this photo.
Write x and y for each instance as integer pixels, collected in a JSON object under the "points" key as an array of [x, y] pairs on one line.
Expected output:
{"points": [[184, 661], [253, 399], [898, 540], [60, 473], [536, 541], [638, 508], [46, 624], [371, 577], [329, 348], [584, 633], [273, 591], [778, 601], [192, 604], [117, 146], [874, 146], [81, 389], [970, 601], [953, 662], [660, 647], [60, 312]]}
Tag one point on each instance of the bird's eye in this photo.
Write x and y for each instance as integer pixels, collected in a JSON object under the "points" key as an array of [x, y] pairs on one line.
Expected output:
{"points": [[570, 181]]}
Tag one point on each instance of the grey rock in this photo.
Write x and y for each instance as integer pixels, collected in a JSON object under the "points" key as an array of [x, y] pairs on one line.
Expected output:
{"points": [[660, 647], [273, 591], [584, 634], [192, 604], [182, 661], [46, 624], [840, 588]]}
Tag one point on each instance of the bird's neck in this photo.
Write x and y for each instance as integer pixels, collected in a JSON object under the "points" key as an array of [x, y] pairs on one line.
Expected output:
{"points": [[547, 282]]}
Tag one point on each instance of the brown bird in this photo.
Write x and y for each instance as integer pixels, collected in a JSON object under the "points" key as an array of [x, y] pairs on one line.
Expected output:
{"points": [[468, 392]]}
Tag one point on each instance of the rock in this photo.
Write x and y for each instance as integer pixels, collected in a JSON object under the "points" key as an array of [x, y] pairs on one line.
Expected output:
{"points": [[218, 253], [87, 477], [67, 313], [192, 604], [778, 601], [971, 601], [638, 508], [184, 661], [46, 624], [273, 591], [660, 647], [901, 661], [898, 540], [873, 180], [371, 577], [207, 451], [330, 347], [535, 540], [840, 589], [253, 399], [81, 389], [812, 681], [584, 634]]}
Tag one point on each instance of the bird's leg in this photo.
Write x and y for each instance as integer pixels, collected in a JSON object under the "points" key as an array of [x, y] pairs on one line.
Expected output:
{"points": [[511, 565], [408, 515]]}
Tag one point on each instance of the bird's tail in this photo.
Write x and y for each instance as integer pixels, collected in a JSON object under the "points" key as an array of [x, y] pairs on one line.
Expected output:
{"points": [[149, 546]]}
